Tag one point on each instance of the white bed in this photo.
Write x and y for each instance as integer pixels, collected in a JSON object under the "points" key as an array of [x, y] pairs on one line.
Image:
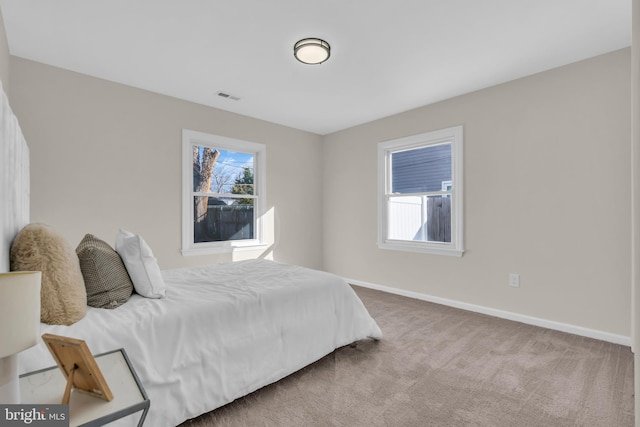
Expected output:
{"points": [[222, 331]]}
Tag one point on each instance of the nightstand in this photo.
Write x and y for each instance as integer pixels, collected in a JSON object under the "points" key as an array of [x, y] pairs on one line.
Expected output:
{"points": [[47, 387]]}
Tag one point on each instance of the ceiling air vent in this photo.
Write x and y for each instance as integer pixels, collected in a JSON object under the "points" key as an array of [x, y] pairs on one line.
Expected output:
{"points": [[228, 96]]}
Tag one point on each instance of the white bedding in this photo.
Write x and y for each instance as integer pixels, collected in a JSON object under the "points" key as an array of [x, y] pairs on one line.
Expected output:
{"points": [[222, 331]]}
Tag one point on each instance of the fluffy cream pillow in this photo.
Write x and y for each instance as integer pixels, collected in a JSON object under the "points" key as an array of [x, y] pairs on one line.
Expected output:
{"points": [[141, 264], [63, 298]]}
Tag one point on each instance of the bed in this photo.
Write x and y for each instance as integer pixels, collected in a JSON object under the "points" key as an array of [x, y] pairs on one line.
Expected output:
{"points": [[222, 331]]}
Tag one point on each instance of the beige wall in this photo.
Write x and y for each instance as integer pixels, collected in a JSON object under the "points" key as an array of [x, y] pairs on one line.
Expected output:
{"points": [[4, 57], [635, 195], [547, 195], [547, 184], [107, 156]]}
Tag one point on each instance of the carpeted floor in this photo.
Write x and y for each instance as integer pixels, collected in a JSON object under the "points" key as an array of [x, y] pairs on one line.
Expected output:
{"points": [[440, 366]]}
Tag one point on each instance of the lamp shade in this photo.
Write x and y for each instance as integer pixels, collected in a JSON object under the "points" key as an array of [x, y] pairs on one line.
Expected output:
{"points": [[312, 51], [19, 311]]}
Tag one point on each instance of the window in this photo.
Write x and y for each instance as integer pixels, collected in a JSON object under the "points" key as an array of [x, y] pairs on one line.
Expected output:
{"points": [[223, 181], [420, 193]]}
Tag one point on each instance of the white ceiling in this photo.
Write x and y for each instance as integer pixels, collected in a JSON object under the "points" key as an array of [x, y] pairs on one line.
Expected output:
{"points": [[386, 56]]}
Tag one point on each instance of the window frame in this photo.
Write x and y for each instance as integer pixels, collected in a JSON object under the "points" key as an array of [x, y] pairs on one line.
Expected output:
{"points": [[454, 136], [259, 151]]}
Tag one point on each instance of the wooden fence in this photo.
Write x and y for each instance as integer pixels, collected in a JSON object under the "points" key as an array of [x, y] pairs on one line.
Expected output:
{"points": [[439, 219], [420, 218], [226, 222]]}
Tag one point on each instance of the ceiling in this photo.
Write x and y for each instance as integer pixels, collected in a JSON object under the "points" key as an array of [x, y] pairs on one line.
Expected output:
{"points": [[386, 56]]}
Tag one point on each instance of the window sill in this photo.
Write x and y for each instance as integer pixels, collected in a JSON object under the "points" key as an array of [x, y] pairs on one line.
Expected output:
{"points": [[420, 248], [210, 250]]}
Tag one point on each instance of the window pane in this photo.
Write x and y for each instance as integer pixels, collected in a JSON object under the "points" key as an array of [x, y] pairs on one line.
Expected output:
{"points": [[219, 219], [222, 171], [421, 170], [419, 218]]}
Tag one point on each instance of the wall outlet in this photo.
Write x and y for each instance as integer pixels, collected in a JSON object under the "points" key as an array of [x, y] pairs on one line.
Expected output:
{"points": [[514, 280]]}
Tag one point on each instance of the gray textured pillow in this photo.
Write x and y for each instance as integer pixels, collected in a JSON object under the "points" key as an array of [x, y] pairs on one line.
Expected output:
{"points": [[105, 276], [37, 247]]}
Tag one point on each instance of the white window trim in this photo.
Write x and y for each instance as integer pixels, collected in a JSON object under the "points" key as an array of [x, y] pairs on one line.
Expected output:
{"points": [[453, 135], [190, 138]]}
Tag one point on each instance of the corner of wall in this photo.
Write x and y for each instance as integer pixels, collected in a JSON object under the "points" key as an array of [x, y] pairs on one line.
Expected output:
{"points": [[4, 57]]}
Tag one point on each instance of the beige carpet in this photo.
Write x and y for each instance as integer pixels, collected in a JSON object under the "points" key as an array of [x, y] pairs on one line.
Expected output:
{"points": [[440, 366]]}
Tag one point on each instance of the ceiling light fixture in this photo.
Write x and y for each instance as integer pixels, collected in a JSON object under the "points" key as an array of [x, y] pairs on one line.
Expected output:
{"points": [[312, 51]]}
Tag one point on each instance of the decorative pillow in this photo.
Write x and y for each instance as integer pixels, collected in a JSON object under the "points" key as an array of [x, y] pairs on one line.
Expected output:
{"points": [[63, 299], [141, 265], [105, 277]]}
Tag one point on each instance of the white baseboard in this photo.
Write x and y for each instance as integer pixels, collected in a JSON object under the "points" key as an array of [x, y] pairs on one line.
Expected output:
{"points": [[549, 324]]}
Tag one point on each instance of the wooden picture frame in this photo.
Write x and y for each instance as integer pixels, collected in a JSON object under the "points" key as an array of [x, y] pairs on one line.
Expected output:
{"points": [[78, 366]]}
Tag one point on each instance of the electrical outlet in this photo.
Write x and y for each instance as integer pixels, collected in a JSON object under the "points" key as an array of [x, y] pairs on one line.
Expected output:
{"points": [[514, 280]]}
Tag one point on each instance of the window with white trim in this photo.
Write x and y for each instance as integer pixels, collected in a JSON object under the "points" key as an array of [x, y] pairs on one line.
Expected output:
{"points": [[420, 180], [223, 197]]}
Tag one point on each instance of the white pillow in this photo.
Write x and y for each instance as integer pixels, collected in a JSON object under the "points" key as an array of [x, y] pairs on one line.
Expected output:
{"points": [[141, 265]]}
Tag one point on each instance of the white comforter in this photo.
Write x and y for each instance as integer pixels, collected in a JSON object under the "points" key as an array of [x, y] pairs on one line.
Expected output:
{"points": [[223, 331]]}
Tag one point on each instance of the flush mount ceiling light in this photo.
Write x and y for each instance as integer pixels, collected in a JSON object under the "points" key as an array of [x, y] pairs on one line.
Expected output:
{"points": [[312, 51]]}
